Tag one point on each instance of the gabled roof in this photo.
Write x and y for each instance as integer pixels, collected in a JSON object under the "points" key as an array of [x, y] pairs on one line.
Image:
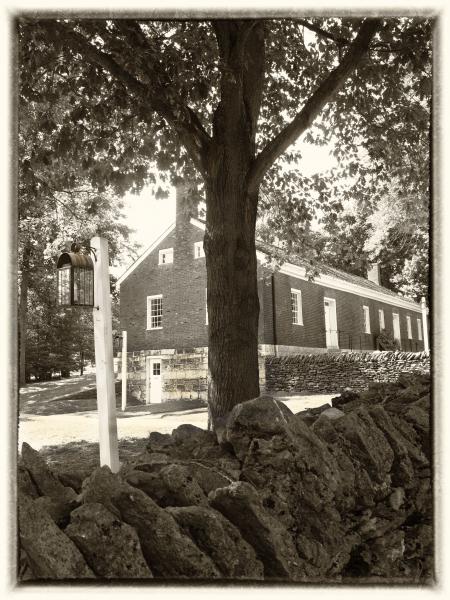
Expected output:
{"points": [[337, 279], [329, 276], [144, 255], [297, 267]]}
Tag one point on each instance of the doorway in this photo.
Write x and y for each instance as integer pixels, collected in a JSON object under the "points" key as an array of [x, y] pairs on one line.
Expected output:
{"points": [[153, 380], [331, 332]]}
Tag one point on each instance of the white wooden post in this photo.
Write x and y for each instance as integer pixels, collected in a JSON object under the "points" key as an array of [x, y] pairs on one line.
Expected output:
{"points": [[124, 370], [104, 362], [426, 345]]}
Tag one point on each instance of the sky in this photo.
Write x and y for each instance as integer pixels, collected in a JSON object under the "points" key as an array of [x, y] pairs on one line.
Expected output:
{"points": [[150, 217]]}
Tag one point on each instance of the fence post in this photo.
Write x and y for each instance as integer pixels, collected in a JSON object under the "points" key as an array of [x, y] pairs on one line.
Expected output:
{"points": [[124, 370], [104, 362], [423, 305]]}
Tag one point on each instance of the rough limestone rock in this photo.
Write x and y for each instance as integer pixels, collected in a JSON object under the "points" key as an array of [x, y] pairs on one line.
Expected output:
{"points": [[50, 553], [58, 511], [160, 442], [338, 494], [193, 436], [24, 482], [220, 540], [297, 478], [111, 548], [168, 552], [172, 486], [210, 474], [332, 413], [46, 483], [240, 504], [188, 442]]}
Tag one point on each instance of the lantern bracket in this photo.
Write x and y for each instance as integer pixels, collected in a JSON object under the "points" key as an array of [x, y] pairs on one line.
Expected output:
{"points": [[92, 251]]}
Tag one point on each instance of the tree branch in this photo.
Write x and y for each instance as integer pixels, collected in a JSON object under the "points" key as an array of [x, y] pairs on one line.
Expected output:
{"points": [[182, 118], [323, 94], [342, 41]]}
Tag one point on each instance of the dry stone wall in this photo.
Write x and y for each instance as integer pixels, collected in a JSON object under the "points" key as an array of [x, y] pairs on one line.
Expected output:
{"points": [[334, 372], [329, 495]]}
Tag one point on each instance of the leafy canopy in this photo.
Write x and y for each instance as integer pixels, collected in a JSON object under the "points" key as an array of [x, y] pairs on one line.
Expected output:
{"points": [[111, 100]]}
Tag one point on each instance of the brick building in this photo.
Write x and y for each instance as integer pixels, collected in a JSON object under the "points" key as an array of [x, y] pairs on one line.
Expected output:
{"points": [[163, 310]]}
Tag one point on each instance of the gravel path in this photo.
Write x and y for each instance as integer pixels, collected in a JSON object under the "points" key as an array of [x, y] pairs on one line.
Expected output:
{"points": [[57, 429]]}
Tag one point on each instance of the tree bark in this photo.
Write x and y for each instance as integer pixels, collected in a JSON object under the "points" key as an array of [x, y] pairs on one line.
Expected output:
{"points": [[233, 305], [23, 310]]}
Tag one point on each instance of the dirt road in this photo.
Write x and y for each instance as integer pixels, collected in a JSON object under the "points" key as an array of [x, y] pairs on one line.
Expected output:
{"points": [[55, 429]]}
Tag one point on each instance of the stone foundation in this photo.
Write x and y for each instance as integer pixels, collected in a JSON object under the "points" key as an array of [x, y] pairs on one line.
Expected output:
{"points": [[184, 374]]}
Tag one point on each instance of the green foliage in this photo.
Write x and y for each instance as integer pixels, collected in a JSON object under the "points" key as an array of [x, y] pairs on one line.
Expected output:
{"points": [[110, 101], [386, 341], [383, 108], [57, 204], [58, 339]]}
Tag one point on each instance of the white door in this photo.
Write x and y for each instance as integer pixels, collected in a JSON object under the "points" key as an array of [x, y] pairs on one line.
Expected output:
{"points": [[331, 333], [153, 380], [396, 324]]}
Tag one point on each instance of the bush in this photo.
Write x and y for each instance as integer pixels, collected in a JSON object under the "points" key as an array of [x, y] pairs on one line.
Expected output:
{"points": [[385, 341]]}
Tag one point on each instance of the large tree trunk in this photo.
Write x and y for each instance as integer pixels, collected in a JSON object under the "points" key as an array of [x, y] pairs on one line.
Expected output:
{"points": [[23, 310], [233, 306]]}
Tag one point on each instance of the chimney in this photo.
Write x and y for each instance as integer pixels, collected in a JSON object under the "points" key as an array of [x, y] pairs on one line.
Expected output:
{"points": [[187, 201], [373, 273], [183, 213]]}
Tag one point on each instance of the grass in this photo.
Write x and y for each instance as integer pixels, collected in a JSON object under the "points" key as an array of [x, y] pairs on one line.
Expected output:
{"points": [[83, 457]]}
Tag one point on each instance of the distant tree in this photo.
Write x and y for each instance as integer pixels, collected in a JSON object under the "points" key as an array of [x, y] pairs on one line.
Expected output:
{"points": [[222, 102], [56, 205]]}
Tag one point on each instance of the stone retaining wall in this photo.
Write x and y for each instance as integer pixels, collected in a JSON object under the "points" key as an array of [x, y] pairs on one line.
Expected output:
{"points": [[329, 373], [184, 374]]}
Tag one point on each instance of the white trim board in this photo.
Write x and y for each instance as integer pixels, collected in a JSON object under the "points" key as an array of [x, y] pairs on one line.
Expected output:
{"points": [[143, 256], [299, 273], [198, 223], [352, 288]]}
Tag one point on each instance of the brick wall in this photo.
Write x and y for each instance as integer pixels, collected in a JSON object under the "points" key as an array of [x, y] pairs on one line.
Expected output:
{"points": [[349, 312], [183, 287], [333, 372]]}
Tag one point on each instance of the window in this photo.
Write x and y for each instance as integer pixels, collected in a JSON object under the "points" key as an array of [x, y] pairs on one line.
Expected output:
{"points": [[366, 319], [154, 312], [166, 256], [419, 329], [381, 318], [156, 368], [296, 305], [396, 326], [199, 251], [408, 327], [206, 304]]}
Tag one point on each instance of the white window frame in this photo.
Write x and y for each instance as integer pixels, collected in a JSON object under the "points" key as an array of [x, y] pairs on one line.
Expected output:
{"points": [[149, 311], [164, 254], [419, 330], [396, 318], [199, 251], [381, 319], [297, 316], [408, 327], [206, 305], [366, 313]]}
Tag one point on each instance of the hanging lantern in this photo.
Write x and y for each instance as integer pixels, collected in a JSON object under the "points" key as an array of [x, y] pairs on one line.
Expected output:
{"points": [[75, 282]]}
